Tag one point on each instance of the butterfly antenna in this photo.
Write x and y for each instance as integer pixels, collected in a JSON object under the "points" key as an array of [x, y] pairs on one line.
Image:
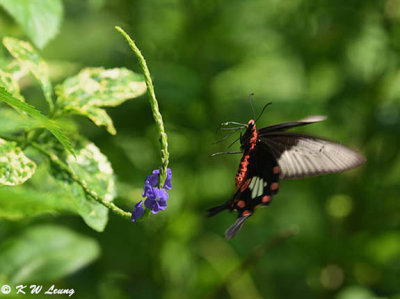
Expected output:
{"points": [[262, 111], [251, 104]]}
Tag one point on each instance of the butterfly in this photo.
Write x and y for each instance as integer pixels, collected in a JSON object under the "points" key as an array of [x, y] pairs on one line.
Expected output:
{"points": [[271, 154]]}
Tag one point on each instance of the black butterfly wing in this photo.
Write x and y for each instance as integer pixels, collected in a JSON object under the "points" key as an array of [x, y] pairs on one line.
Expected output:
{"points": [[281, 155], [260, 184], [287, 125], [300, 155]]}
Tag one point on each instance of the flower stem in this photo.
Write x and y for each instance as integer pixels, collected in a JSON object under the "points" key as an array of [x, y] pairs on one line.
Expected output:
{"points": [[154, 106], [53, 158]]}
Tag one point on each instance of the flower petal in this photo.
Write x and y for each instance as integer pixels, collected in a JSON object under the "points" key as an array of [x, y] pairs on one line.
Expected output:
{"points": [[162, 194], [149, 203], [168, 183], [147, 187], [154, 178], [138, 211], [155, 208], [162, 204]]}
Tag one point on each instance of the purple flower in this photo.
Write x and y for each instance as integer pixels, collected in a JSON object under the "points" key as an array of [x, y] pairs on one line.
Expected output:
{"points": [[137, 211], [156, 200], [147, 187], [168, 183], [154, 177], [152, 181]]}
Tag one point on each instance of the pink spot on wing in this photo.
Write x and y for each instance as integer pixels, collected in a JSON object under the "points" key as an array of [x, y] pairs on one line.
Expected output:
{"points": [[266, 199], [276, 169], [241, 204], [274, 186]]}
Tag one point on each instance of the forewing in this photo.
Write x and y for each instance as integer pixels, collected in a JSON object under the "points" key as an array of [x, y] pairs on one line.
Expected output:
{"points": [[300, 155], [285, 126]]}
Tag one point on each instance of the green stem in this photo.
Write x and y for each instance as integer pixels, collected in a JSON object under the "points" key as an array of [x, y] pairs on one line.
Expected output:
{"points": [[32, 137], [154, 106], [53, 158]]}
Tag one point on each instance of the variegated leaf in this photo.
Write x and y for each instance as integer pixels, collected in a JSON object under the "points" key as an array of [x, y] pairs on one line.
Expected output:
{"points": [[9, 77], [15, 167], [98, 87], [93, 168], [8, 81], [97, 115], [27, 57]]}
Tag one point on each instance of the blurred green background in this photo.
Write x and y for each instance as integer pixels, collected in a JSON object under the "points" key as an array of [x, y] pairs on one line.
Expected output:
{"points": [[336, 58]]}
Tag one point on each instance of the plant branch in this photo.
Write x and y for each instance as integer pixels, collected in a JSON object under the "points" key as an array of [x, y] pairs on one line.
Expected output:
{"points": [[53, 158], [154, 106]]}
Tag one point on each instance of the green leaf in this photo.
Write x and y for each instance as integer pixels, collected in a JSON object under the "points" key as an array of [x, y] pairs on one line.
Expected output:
{"points": [[23, 202], [42, 195], [29, 58], [47, 123], [92, 167], [15, 167], [45, 253], [39, 18], [97, 87], [97, 115], [12, 122]]}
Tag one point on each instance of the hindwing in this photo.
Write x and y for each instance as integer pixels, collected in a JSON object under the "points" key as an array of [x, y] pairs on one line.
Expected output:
{"points": [[260, 183]]}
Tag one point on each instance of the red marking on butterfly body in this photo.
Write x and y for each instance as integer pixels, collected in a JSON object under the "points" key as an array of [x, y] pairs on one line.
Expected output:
{"points": [[241, 174]]}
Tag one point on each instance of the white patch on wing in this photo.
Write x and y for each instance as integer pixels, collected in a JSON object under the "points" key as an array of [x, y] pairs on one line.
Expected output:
{"points": [[257, 187], [252, 183], [313, 118], [260, 188]]}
